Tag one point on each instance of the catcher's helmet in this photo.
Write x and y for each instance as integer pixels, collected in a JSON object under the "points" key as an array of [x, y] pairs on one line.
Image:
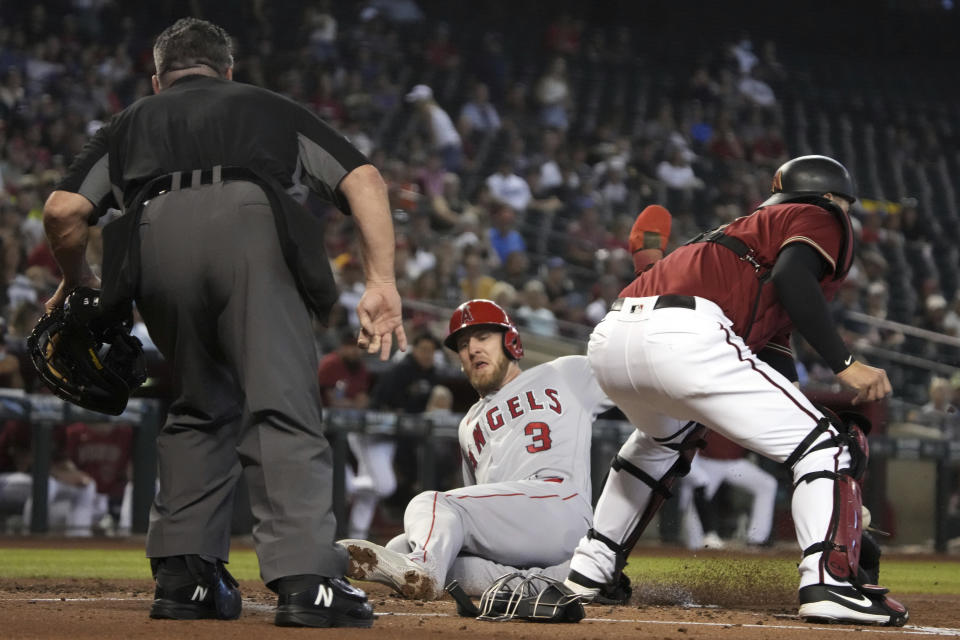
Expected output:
{"points": [[810, 176], [85, 357], [487, 313]]}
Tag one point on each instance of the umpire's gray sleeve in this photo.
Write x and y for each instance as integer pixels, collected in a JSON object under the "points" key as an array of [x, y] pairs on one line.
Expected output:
{"points": [[89, 173]]}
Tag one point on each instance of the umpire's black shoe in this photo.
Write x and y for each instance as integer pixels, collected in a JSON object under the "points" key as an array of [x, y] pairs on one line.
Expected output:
{"points": [[211, 595], [868, 604], [332, 603]]}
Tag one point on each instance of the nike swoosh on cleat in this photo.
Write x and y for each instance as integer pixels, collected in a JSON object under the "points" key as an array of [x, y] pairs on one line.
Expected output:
{"points": [[863, 601], [848, 361]]}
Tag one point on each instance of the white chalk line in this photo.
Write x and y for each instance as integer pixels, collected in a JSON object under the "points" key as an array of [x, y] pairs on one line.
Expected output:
{"points": [[908, 629]]}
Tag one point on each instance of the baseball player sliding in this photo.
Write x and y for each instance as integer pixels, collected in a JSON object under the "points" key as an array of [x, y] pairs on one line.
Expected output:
{"points": [[703, 336], [526, 466]]}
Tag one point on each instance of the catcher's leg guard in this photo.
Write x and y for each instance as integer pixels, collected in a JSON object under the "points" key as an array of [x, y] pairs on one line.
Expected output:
{"points": [[841, 446], [640, 480]]}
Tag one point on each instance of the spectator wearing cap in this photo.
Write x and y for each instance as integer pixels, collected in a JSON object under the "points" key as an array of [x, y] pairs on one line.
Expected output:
{"points": [[444, 138]]}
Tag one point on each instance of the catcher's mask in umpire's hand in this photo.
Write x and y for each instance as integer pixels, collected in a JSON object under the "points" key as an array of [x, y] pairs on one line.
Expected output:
{"points": [[86, 357]]}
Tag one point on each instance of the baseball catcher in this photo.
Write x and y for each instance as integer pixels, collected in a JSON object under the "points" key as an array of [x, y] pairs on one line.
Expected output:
{"points": [[703, 336]]}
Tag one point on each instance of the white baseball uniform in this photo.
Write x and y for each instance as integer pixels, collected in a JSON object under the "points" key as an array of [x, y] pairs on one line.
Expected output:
{"points": [[526, 464]]}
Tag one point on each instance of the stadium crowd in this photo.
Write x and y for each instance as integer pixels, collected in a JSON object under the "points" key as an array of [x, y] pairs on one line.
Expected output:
{"points": [[516, 160]]}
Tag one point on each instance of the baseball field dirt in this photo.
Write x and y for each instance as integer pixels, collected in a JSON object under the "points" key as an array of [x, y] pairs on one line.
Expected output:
{"points": [[714, 604]]}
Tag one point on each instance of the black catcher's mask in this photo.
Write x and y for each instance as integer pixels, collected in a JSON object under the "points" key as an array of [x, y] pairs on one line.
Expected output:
{"points": [[87, 357]]}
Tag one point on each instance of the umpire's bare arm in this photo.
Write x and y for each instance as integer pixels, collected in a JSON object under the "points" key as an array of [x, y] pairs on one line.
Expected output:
{"points": [[65, 216], [379, 308]]}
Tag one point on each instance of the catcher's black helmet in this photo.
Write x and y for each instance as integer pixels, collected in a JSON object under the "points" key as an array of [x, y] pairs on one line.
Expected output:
{"points": [[810, 176], [85, 357]]}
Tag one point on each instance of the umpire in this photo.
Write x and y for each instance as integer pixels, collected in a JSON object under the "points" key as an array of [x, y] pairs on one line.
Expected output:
{"points": [[226, 267]]}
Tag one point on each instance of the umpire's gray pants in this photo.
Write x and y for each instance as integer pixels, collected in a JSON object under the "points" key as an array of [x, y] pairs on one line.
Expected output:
{"points": [[223, 309]]}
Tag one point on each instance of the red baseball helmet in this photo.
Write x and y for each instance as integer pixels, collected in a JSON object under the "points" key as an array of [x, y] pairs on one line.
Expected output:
{"points": [[486, 313]]}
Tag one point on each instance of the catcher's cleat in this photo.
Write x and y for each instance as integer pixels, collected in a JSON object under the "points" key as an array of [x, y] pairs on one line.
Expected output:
{"points": [[208, 593], [868, 604], [593, 592], [369, 561], [332, 603]]}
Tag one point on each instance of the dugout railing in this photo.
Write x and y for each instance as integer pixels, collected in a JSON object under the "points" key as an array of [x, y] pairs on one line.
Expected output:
{"points": [[45, 412]]}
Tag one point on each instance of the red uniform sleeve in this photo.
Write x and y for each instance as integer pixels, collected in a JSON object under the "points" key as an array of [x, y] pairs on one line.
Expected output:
{"points": [[816, 227]]}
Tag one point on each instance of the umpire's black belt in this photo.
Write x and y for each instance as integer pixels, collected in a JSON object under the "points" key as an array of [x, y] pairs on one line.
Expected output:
{"points": [[663, 302], [186, 179]]}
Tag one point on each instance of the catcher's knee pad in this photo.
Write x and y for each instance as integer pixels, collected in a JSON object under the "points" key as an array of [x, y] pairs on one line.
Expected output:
{"points": [[685, 443], [842, 544]]}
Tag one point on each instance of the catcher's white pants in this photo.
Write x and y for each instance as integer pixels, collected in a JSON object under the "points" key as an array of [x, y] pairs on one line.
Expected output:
{"points": [[523, 524], [710, 473], [659, 365]]}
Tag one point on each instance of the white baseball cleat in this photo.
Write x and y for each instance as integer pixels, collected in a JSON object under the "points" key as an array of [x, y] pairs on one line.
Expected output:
{"points": [[850, 605], [369, 561]]}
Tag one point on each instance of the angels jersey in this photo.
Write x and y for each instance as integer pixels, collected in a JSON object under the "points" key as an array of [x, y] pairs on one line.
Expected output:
{"points": [[537, 426]]}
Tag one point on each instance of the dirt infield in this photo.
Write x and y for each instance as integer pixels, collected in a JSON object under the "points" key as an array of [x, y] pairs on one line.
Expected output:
{"points": [[83, 609]]}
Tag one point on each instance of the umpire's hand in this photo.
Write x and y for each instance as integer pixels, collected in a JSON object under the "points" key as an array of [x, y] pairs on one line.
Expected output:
{"points": [[870, 383], [380, 317]]}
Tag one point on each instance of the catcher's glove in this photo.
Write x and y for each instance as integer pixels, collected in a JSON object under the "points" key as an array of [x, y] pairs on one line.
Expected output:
{"points": [[86, 357], [535, 598]]}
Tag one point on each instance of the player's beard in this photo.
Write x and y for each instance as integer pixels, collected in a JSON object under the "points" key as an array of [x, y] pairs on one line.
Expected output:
{"points": [[491, 378]]}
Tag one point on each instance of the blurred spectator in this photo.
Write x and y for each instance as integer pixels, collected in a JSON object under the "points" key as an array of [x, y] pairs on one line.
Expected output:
{"points": [[476, 282], [515, 270], [440, 50], [584, 236], [757, 91], [609, 290], [769, 149], [563, 34], [939, 411], [404, 388], [345, 384], [534, 314], [478, 114], [321, 27], [71, 493], [677, 174], [504, 237], [553, 95], [444, 138], [508, 188], [103, 451]]}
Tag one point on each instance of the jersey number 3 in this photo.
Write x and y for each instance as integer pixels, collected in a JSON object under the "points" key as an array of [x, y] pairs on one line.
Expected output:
{"points": [[541, 436]]}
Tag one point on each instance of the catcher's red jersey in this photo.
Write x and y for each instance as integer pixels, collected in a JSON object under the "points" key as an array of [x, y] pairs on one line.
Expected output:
{"points": [[711, 271]]}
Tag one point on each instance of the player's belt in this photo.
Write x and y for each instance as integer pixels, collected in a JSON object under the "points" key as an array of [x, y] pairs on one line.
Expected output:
{"points": [[663, 302]]}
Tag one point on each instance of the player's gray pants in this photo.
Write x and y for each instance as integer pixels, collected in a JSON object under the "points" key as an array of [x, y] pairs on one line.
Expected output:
{"points": [[223, 309], [660, 365], [521, 523]]}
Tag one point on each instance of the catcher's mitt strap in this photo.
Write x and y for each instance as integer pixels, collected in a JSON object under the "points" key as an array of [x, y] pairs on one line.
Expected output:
{"points": [[465, 606]]}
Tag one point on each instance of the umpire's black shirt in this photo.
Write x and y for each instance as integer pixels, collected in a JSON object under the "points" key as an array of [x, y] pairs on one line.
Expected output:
{"points": [[200, 122]]}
